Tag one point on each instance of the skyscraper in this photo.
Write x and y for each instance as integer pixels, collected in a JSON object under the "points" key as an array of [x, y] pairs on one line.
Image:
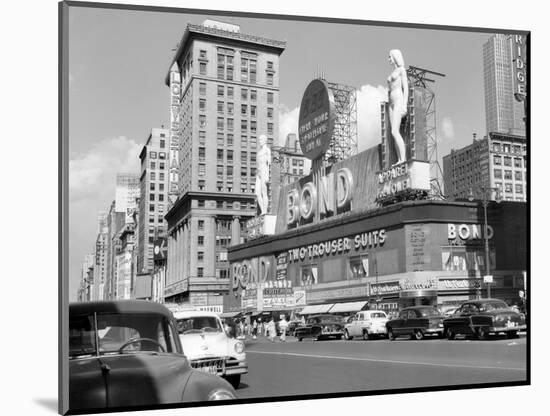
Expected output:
{"points": [[127, 190], [224, 94], [503, 112]]}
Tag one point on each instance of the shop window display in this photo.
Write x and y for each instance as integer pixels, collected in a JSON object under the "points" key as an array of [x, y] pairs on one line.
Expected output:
{"points": [[466, 258], [358, 267], [308, 275]]}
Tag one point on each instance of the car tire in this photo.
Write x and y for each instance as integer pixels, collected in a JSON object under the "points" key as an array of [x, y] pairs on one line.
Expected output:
{"points": [[482, 333], [300, 339], [418, 334], [391, 335], [512, 334], [366, 335], [339, 337], [347, 335], [234, 380], [450, 333]]}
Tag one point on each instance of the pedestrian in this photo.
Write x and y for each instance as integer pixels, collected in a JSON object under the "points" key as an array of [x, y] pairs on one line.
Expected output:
{"points": [[255, 329], [283, 325], [266, 329], [271, 329]]}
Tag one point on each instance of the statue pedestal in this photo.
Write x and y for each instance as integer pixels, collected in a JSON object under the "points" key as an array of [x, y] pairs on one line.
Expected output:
{"points": [[410, 177], [261, 225]]}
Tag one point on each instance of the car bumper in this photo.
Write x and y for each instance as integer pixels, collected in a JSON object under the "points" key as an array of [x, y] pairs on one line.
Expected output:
{"points": [[507, 328], [377, 330], [433, 330], [223, 366]]}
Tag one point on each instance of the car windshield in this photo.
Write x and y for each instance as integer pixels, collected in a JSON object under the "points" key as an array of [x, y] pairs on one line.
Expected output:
{"points": [[492, 305], [198, 324], [426, 312], [326, 319], [378, 315], [119, 333]]}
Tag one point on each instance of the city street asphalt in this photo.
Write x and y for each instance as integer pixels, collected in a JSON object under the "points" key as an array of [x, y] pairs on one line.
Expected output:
{"points": [[321, 367]]}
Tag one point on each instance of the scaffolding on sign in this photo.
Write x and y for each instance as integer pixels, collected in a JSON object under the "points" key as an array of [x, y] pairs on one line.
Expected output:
{"points": [[344, 138], [417, 77]]}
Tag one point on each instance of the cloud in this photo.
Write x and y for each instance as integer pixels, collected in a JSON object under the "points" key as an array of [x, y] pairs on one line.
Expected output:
{"points": [[93, 175], [447, 128], [368, 115], [288, 122]]}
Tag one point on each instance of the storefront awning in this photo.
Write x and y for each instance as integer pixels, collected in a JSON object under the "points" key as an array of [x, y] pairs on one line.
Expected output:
{"points": [[229, 314], [312, 309], [347, 307]]}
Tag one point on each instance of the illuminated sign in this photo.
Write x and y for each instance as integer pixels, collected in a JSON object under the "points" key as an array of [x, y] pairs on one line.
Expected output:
{"points": [[339, 245], [255, 270], [468, 231], [175, 129], [262, 225], [409, 176], [316, 120], [323, 197], [519, 70]]}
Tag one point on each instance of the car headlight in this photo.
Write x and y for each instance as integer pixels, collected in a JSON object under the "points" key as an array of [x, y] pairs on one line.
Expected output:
{"points": [[221, 394], [239, 347]]}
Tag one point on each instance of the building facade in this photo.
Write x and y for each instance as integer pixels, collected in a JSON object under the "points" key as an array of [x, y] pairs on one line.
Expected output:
{"points": [[127, 190], [290, 162], [124, 264], [224, 95], [496, 161], [153, 201], [503, 112]]}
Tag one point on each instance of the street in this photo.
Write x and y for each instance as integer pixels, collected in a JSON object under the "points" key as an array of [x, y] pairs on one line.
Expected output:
{"points": [[319, 367]]}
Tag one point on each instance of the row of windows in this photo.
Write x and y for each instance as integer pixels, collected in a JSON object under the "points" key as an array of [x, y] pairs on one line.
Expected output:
{"points": [[229, 92], [153, 176], [160, 197], [226, 68], [230, 125], [152, 186], [508, 148], [518, 175], [509, 187], [497, 160], [161, 155], [201, 203], [162, 165]]}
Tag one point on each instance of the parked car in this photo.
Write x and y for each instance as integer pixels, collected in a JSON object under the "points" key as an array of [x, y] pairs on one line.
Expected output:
{"points": [[417, 322], [321, 327], [366, 324], [292, 325], [127, 353], [483, 317], [209, 347]]}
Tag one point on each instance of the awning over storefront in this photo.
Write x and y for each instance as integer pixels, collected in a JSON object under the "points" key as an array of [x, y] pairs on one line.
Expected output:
{"points": [[229, 314], [312, 309], [347, 307]]}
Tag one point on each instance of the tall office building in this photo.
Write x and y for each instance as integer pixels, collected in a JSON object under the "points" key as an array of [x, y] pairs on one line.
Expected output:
{"points": [[504, 76], [154, 196], [496, 161], [224, 88], [290, 161], [127, 190]]}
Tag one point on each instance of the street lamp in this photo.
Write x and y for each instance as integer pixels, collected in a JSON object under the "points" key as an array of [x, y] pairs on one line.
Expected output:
{"points": [[486, 192]]}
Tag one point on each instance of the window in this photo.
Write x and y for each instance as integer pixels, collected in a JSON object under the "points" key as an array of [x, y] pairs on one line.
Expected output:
{"points": [[244, 157], [153, 176], [244, 94], [253, 142], [230, 139], [230, 107], [201, 184], [519, 189], [253, 157], [161, 165], [200, 272], [161, 197], [161, 187], [270, 98], [517, 149], [229, 171], [518, 176], [202, 88], [219, 186], [219, 171], [152, 186], [200, 203], [270, 112], [220, 91], [202, 137], [507, 174], [230, 74], [270, 65], [200, 225], [244, 172], [202, 154], [220, 123], [253, 126], [253, 111], [200, 255], [202, 121], [507, 161], [202, 169], [498, 174], [220, 155], [300, 162], [508, 187], [244, 109], [230, 156], [517, 162], [202, 68], [162, 144], [230, 93], [162, 155], [202, 104], [253, 95], [506, 148], [269, 128], [153, 165], [294, 162], [151, 219], [161, 176], [269, 79], [151, 197], [462, 258], [151, 207], [202, 54], [244, 125], [219, 139], [244, 142], [153, 155], [497, 160], [220, 107]]}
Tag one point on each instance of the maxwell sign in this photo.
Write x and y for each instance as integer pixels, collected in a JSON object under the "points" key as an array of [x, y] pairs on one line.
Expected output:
{"points": [[316, 120]]}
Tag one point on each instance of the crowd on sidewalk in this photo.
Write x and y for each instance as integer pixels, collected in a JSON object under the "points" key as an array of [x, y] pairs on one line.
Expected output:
{"points": [[268, 328]]}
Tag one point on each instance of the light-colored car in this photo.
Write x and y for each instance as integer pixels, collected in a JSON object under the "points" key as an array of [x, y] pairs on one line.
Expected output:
{"points": [[209, 348], [366, 324]]}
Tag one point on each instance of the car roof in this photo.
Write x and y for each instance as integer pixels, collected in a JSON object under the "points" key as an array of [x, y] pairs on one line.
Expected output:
{"points": [[193, 314], [372, 311], [118, 306], [481, 301]]}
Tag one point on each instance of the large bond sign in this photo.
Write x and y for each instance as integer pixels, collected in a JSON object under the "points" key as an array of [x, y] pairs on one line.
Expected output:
{"points": [[316, 121]]}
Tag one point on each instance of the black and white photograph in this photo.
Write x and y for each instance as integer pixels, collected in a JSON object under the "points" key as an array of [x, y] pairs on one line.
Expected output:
{"points": [[263, 211]]}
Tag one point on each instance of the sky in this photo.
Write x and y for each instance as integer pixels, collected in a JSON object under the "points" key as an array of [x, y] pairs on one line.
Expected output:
{"points": [[118, 60]]}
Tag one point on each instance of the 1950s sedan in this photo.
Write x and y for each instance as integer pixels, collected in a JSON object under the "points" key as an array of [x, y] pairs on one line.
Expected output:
{"points": [[482, 317], [209, 348], [321, 327], [416, 322], [127, 353]]}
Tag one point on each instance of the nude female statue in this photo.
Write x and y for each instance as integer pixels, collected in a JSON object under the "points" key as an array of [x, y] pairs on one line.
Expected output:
{"points": [[262, 173], [398, 97]]}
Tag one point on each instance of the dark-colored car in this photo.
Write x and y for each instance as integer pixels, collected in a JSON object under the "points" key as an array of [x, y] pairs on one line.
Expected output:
{"points": [[416, 322], [128, 353], [321, 327], [292, 326], [483, 317]]}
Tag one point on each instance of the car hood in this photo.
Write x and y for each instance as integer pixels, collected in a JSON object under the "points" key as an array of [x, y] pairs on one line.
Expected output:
{"points": [[213, 344], [135, 379]]}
